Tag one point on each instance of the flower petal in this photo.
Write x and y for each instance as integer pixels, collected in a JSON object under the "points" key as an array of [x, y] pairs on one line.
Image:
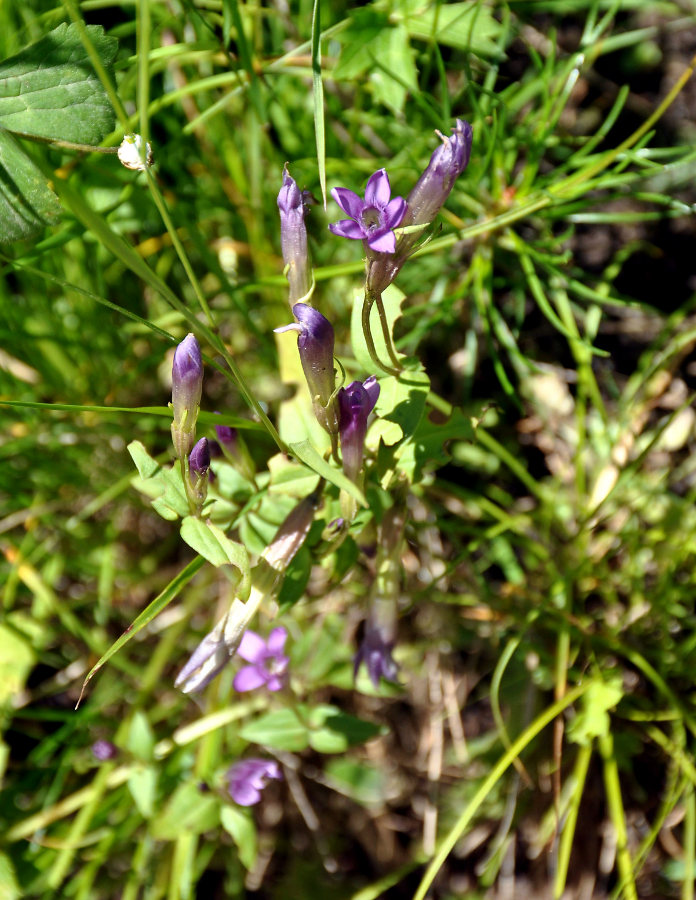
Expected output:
{"points": [[371, 386], [382, 241], [349, 201], [249, 678], [276, 640], [349, 229], [244, 793], [378, 189], [252, 647], [394, 212]]}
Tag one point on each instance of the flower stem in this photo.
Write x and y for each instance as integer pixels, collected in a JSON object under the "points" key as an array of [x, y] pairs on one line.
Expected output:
{"points": [[368, 300], [389, 343]]}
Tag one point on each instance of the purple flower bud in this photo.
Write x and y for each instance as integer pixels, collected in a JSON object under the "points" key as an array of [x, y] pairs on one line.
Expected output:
{"points": [[315, 342], [376, 652], [104, 750], [199, 460], [235, 450], [268, 663], [355, 403], [187, 385], [292, 204], [372, 219], [247, 778], [446, 165]]}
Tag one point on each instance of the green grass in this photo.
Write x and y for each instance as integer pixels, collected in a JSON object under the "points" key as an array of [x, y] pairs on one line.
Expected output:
{"points": [[544, 724]]}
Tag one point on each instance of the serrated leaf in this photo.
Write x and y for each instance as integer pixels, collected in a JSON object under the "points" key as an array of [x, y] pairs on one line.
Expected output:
{"points": [[214, 545], [188, 810], [426, 449], [239, 824], [306, 452], [50, 89], [280, 729], [27, 203], [333, 731]]}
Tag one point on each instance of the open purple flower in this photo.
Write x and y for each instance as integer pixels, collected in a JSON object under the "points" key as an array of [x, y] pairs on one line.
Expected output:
{"points": [[247, 778], [355, 404], [268, 662], [373, 218]]}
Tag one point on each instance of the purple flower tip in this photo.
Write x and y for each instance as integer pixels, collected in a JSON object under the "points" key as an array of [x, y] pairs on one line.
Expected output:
{"points": [[373, 218], [199, 460], [226, 434], [104, 750], [247, 778], [376, 652], [355, 403], [268, 664], [187, 365]]}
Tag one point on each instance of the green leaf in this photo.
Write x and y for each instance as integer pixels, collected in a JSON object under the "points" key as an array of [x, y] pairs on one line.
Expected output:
{"points": [[306, 452], [141, 740], [401, 402], [213, 544], [164, 486], [394, 68], [50, 89], [27, 203], [426, 449], [466, 26], [593, 719], [280, 729], [144, 463], [239, 824], [333, 731], [188, 810], [142, 784], [17, 657], [358, 41], [9, 886]]}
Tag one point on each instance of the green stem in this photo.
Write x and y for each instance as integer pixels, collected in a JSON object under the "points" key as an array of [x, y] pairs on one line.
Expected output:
{"points": [[579, 776], [368, 300], [616, 814], [391, 349]]}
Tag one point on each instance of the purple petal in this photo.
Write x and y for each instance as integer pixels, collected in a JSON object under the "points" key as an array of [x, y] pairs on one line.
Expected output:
{"points": [[349, 229], [249, 678], [275, 683], [371, 386], [252, 647], [378, 189], [349, 201], [394, 212], [382, 242], [276, 640], [244, 794]]}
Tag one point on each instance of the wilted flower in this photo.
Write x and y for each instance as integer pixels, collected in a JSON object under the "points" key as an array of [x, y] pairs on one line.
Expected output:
{"points": [[187, 386], [355, 404], [247, 778], [130, 153], [104, 750], [292, 204], [376, 652], [315, 342], [268, 663], [373, 218]]}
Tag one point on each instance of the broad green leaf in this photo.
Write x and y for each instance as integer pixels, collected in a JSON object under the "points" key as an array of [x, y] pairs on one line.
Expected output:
{"points": [[187, 810], [144, 463], [401, 403], [306, 452], [9, 886], [213, 544], [27, 203], [239, 824], [358, 41], [142, 784], [290, 478], [163, 485], [333, 731], [396, 72], [50, 89], [141, 740], [426, 449], [466, 26], [280, 729], [16, 658]]}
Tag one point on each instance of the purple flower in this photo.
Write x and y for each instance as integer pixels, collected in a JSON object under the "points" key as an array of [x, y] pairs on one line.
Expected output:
{"points": [[104, 750], [292, 204], [373, 218], [315, 342], [248, 777], [376, 652], [446, 165], [268, 662], [199, 460], [355, 404], [187, 386]]}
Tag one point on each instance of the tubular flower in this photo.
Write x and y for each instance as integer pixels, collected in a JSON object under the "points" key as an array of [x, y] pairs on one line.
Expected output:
{"points": [[376, 652], [199, 466], [187, 386], [315, 342], [292, 204], [355, 404], [247, 778], [268, 662], [373, 218]]}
